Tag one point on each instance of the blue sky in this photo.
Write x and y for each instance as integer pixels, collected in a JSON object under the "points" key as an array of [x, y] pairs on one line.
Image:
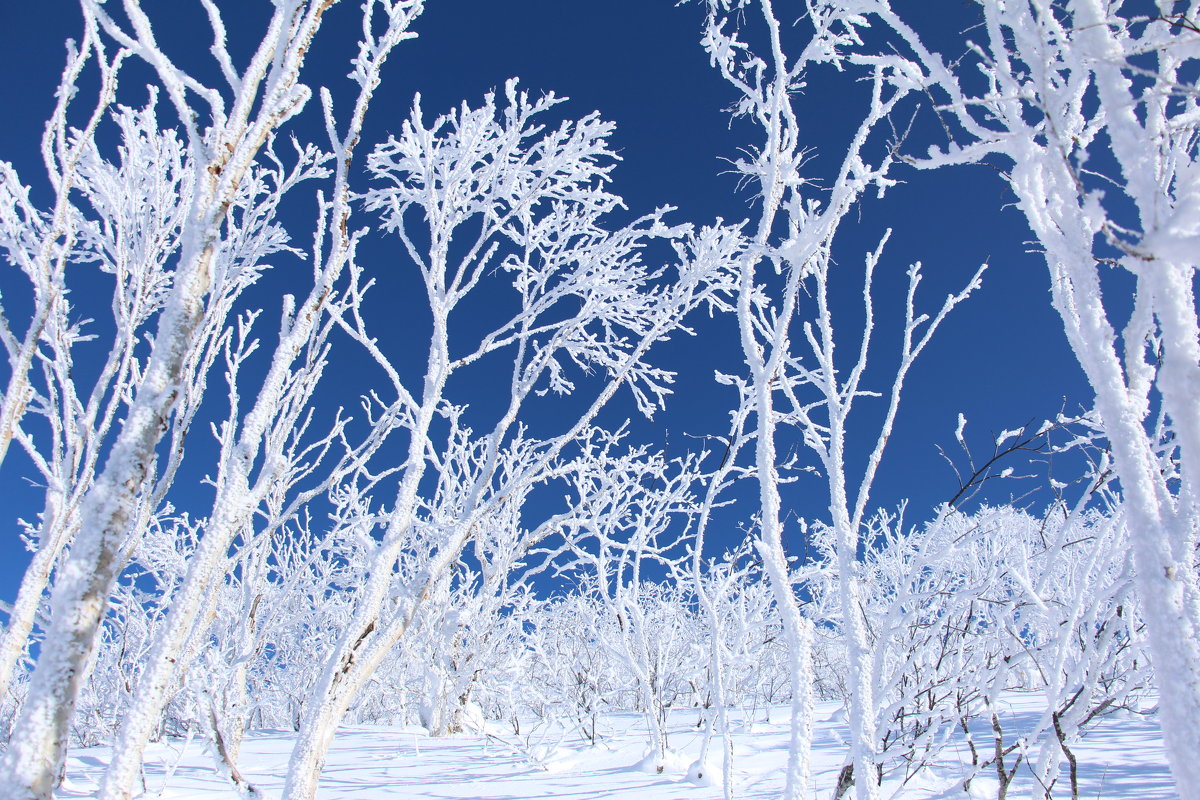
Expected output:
{"points": [[1001, 360]]}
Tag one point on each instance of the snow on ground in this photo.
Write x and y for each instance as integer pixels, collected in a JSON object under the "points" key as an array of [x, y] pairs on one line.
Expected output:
{"points": [[1122, 759]]}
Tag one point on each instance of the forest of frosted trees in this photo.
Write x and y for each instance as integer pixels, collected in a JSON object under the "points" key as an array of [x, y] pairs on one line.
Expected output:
{"points": [[226, 541]]}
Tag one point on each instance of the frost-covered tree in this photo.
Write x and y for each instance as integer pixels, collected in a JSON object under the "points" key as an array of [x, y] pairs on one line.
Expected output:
{"points": [[971, 606], [184, 220], [791, 336], [391, 562], [489, 198], [181, 244], [1089, 110], [739, 633], [633, 509]]}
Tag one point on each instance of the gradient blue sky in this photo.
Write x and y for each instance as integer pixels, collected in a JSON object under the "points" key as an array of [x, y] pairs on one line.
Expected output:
{"points": [[1001, 360]]}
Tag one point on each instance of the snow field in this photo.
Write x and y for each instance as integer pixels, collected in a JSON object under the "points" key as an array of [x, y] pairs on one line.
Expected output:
{"points": [[1121, 759]]}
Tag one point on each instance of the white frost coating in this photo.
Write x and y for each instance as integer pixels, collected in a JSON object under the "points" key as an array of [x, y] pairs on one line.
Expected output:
{"points": [[920, 631], [1003, 437], [538, 195], [42, 245], [220, 158], [281, 401], [1067, 99], [789, 345]]}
